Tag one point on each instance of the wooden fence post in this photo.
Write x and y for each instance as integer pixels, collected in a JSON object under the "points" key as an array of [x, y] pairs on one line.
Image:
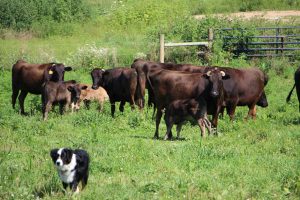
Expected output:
{"points": [[210, 37], [162, 48]]}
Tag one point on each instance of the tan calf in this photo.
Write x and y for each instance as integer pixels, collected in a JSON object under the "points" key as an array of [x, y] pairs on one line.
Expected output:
{"points": [[87, 95]]}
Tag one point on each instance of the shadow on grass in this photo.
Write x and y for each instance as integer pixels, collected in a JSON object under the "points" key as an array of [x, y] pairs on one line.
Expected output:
{"points": [[160, 138], [48, 189], [293, 121]]}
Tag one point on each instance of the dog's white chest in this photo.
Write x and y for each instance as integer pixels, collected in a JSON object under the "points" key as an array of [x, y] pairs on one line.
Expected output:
{"points": [[67, 172], [67, 176]]}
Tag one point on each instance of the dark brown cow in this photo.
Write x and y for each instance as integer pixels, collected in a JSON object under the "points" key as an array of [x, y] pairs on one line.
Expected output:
{"points": [[121, 85], [245, 87], [62, 93], [179, 110], [169, 85], [297, 85], [30, 78], [146, 68]]}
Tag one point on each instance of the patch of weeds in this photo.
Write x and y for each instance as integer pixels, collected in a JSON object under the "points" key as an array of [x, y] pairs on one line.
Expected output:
{"points": [[150, 187]]}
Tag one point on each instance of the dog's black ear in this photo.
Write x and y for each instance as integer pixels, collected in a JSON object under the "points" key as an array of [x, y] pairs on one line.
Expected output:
{"points": [[69, 154], [53, 154]]}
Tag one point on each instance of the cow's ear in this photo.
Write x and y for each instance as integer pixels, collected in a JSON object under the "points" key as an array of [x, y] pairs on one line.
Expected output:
{"points": [[68, 68], [224, 75], [70, 88], [207, 75], [84, 87]]}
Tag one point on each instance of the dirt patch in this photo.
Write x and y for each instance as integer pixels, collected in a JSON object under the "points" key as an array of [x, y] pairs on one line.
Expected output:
{"points": [[268, 15]]}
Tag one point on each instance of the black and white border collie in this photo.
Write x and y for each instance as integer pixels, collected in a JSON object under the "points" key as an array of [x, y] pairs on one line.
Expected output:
{"points": [[72, 167]]}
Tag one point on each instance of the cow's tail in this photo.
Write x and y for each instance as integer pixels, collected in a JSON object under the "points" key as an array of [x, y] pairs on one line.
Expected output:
{"points": [[266, 79], [288, 98]]}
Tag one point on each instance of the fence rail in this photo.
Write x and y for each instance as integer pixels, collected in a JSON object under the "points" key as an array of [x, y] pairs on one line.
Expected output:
{"points": [[207, 44], [273, 44], [270, 42]]}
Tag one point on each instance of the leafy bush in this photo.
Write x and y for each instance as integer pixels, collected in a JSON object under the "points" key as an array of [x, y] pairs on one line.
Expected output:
{"points": [[90, 56], [20, 15]]}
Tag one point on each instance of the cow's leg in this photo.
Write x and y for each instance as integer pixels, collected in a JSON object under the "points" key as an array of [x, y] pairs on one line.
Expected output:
{"points": [[121, 108], [252, 111], [169, 125], [131, 101], [202, 127], [87, 104], [100, 105], [153, 114], [298, 92], [22, 97], [207, 124], [112, 108], [222, 110], [14, 97], [46, 110], [73, 107], [178, 129], [61, 108], [231, 110], [158, 118]]}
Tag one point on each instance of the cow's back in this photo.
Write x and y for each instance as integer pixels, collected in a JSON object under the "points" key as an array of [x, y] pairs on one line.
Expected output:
{"points": [[28, 77], [118, 83], [245, 84], [172, 85]]}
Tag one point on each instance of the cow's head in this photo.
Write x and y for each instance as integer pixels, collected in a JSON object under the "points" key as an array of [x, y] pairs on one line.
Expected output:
{"points": [[215, 77], [56, 72], [97, 76], [262, 101], [76, 91]]}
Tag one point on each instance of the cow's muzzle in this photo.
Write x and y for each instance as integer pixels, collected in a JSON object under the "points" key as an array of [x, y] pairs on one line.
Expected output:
{"points": [[214, 94]]}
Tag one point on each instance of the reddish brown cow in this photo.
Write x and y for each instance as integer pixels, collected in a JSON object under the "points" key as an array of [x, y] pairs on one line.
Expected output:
{"points": [[30, 78], [121, 85], [244, 88], [147, 68], [169, 85]]}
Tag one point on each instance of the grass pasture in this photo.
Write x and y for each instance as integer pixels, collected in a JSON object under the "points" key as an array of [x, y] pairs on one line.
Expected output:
{"points": [[249, 160]]}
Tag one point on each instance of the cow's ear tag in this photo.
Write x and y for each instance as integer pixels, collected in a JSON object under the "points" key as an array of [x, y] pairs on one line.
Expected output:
{"points": [[50, 72]]}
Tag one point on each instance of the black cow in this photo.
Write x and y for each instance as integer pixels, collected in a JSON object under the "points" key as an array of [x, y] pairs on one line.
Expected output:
{"points": [[297, 85], [121, 85]]}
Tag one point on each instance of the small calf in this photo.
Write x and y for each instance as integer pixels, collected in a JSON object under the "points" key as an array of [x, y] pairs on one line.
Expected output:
{"points": [[57, 92], [87, 94], [180, 110]]}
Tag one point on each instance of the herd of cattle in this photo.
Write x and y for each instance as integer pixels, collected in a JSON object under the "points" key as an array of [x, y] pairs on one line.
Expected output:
{"points": [[178, 90]]}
